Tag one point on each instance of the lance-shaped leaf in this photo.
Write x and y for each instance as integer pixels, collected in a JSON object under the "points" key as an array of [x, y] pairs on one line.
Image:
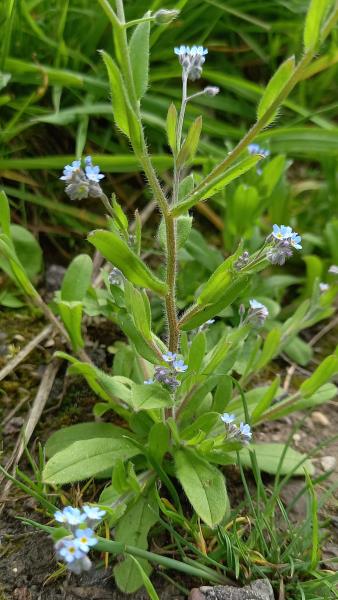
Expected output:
{"points": [[219, 281], [313, 21], [5, 217], [204, 486], [148, 397], [204, 191], [269, 459], [117, 251], [139, 57], [87, 458], [171, 126], [183, 229], [190, 143], [275, 86], [71, 315], [77, 279], [15, 268], [321, 375], [120, 110], [66, 436]]}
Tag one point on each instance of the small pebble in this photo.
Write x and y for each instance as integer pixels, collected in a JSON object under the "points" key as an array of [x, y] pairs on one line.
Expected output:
{"points": [[19, 338], [328, 462], [320, 419]]}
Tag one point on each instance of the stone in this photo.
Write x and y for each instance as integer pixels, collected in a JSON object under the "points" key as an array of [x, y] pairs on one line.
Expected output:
{"points": [[328, 462], [320, 419], [260, 589]]}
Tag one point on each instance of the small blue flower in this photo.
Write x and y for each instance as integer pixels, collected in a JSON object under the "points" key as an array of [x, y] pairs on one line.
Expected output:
{"points": [[210, 321], [84, 539], [256, 149], [179, 366], [227, 418], [324, 287], [69, 550], [295, 240], [245, 430], [193, 51], [255, 305], [148, 381], [169, 356], [73, 516], [93, 174], [69, 170], [94, 513], [282, 232]]}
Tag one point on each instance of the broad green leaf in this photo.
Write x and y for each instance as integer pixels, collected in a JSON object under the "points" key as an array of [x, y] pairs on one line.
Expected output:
{"points": [[275, 86], [158, 441], [5, 217], [202, 192], [120, 109], [314, 17], [145, 348], [205, 423], [148, 397], [27, 250], [77, 279], [106, 386], [272, 173], [66, 436], [243, 209], [139, 57], [299, 351], [171, 126], [133, 529], [204, 486], [220, 280], [321, 375], [16, 270], [71, 315], [86, 458], [183, 229], [190, 144], [138, 305], [268, 459], [114, 249]]}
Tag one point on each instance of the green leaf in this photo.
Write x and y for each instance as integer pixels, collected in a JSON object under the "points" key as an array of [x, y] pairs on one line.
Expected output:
{"points": [[120, 110], [148, 397], [133, 529], [5, 217], [204, 191], [275, 86], [145, 348], [77, 279], [190, 144], [171, 127], [71, 315], [299, 351], [325, 393], [106, 386], [87, 458], [270, 348], [265, 400], [145, 579], [183, 229], [272, 173], [15, 270], [158, 441], [322, 375], [27, 250], [220, 280], [204, 486], [314, 18], [82, 431], [138, 304], [196, 353], [139, 56], [114, 249], [243, 209], [268, 459]]}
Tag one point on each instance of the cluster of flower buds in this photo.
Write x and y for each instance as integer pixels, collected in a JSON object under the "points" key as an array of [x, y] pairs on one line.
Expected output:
{"points": [[241, 434], [257, 313], [242, 261], [256, 149], [82, 183], [167, 375], [73, 548], [192, 60], [283, 242], [115, 276]]}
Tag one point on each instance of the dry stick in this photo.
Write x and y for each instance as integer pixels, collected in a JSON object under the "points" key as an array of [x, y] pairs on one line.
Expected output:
{"points": [[20, 356], [323, 331], [33, 418]]}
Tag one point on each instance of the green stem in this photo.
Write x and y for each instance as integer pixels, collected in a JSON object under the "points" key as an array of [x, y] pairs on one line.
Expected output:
{"points": [[144, 158], [138, 21]]}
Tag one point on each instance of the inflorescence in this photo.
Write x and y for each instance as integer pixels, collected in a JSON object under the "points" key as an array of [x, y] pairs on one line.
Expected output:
{"points": [[73, 548], [167, 375], [82, 183], [192, 60], [241, 434], [283, 241]]}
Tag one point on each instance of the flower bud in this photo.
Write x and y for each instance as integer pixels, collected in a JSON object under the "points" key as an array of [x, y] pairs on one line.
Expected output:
{"points": [[164, 16], [211, 90]]}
